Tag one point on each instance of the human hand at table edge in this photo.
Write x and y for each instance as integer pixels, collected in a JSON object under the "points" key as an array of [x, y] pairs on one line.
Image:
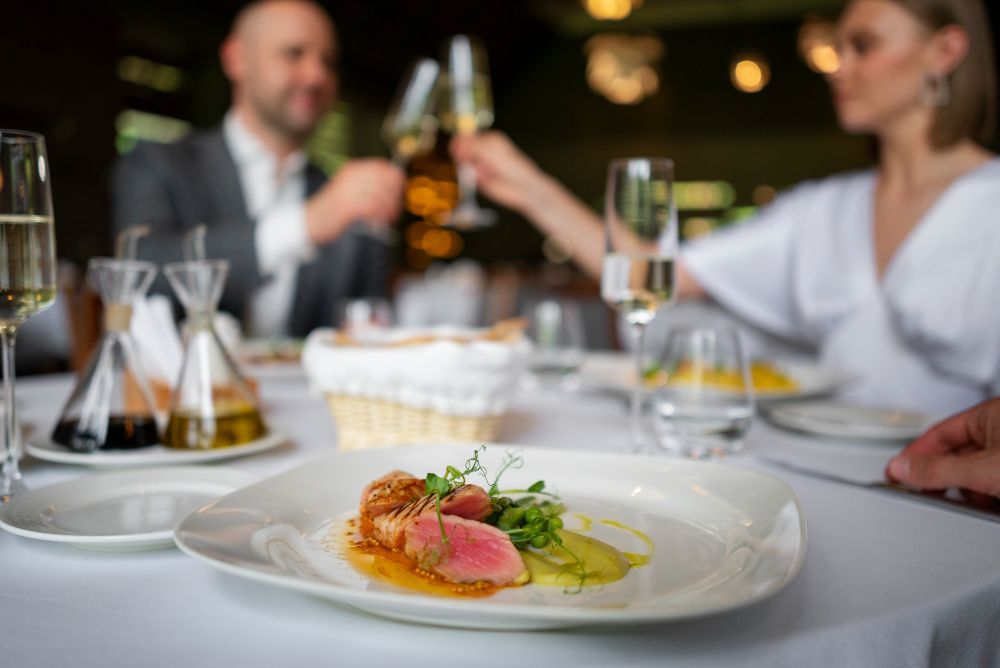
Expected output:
{"points": [[961, 451]]}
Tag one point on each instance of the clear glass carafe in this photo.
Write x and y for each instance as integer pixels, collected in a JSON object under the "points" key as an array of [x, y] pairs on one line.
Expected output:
{"points": [[212, 405], [112, 406]]}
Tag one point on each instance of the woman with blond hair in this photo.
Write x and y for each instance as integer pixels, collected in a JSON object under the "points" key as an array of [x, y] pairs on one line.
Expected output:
{"points": [[891, 273]]}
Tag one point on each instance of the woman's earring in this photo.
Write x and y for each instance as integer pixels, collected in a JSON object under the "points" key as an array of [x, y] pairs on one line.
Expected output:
{"points": [[937, 92]]}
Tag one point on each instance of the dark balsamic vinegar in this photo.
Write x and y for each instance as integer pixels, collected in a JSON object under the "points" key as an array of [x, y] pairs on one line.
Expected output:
{"points": [[126, 432]]}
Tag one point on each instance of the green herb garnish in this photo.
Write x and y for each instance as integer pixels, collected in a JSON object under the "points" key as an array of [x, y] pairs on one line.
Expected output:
{"points": [[527, 521]]}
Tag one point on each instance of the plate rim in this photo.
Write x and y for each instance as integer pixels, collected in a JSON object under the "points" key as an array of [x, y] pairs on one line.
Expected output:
{"points": [[240, 479], [44, 449], [779, 415], [550, 617]]}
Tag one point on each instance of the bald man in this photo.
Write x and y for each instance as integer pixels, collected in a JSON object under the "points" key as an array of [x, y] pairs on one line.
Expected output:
{"points": [[292, 237]]}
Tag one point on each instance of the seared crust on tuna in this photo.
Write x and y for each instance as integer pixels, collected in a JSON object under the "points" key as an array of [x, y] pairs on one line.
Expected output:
{"points": [[468, 501]]}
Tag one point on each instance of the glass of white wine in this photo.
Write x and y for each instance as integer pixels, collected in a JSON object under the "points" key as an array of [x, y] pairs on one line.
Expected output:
{"points": [[409, 127], [637, 278], [27, 266], [466, 108]]}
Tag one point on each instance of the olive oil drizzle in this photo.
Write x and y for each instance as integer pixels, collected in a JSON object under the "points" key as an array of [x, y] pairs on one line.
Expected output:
{"points": [[634, 559]]}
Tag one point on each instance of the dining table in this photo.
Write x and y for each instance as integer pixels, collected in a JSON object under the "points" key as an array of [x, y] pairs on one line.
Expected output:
{"points": [[885, 581]]}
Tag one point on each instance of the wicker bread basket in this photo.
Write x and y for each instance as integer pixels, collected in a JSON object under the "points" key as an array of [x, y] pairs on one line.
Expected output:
{"points": [[443, 385]]}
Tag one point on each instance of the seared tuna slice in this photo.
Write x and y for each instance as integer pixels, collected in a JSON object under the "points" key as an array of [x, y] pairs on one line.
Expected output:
{"points": [[475, 552], [386, 494], [468, 501]]}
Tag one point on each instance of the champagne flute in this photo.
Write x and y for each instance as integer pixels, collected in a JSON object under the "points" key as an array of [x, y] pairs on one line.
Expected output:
{"points": [[27, 267], [466, 107], [637, 278]]}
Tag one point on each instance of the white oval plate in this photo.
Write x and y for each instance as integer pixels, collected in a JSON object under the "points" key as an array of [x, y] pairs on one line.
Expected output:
{"points": [[154, 455], [120, 510], [844, 420], [615, 372], [725, 537]]}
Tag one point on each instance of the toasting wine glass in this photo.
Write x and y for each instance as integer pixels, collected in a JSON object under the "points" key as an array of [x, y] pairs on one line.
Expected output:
{"points": [[467, 107], [27, 266], [641, 243], [409, 127]]}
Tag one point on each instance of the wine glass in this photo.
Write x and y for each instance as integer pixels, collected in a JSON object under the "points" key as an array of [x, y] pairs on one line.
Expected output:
{"points": [[27, 266], [466, 107], [637, 278], [409, 127]]}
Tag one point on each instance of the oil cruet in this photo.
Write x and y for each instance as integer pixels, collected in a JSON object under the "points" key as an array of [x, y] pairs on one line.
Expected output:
{"points": [[212, 404], [112, 406]]}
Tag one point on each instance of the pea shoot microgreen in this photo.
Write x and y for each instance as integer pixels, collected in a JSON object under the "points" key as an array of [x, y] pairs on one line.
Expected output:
{"points": [[528, 522]]}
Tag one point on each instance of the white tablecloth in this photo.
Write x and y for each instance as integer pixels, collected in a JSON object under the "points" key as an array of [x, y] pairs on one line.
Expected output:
{"points": [[886, 582]]}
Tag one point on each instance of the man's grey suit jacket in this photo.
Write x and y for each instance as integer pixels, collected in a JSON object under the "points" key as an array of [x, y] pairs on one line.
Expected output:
{"points": [[175, 187]]}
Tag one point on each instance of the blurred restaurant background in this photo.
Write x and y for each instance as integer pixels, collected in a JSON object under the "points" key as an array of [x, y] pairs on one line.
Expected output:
{"points": [[732, 90]]}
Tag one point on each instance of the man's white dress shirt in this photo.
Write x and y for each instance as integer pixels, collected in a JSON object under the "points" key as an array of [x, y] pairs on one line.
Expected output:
{"points": [[275, 200]]}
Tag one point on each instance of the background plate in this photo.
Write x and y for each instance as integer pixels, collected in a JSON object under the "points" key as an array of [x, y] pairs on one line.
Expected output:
{"points": [[154, 455], [120, 510], [844, 420]]}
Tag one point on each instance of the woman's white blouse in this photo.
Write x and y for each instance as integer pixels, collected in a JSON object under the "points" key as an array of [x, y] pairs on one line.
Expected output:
{"points": [[925, 336]]}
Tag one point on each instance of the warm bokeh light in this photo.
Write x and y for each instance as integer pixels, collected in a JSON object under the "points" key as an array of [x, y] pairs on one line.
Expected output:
{"points": [[441, 242], [694, 228], [823, 59], [622, 67], [750, 74], [431, 241], [763, 194], [427, 197], [611, 10], [818, 45]]}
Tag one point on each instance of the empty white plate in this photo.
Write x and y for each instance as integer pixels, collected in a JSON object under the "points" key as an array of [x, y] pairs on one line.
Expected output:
{"points": [[844, 420], [118, 511], [154, 455]]}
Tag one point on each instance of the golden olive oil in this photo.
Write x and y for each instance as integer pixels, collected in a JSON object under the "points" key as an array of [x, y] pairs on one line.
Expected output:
{"points": [[634, 559], [231, 425]]}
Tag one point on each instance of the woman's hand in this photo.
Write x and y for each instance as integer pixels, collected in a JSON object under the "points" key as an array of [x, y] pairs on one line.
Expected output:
{"points": [[504, 173]]}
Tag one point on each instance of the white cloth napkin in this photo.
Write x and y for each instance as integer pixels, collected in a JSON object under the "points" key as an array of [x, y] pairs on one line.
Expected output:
{"points": [[160, 348], [159, 343]]}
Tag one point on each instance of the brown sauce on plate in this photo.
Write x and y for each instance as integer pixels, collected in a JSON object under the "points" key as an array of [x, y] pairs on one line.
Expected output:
{"points": [[393, 567]]}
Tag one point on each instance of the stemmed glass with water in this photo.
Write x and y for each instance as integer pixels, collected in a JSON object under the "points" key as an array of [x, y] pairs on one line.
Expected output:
{"points": [[466, 108], [637, 278], [27, 267]]}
